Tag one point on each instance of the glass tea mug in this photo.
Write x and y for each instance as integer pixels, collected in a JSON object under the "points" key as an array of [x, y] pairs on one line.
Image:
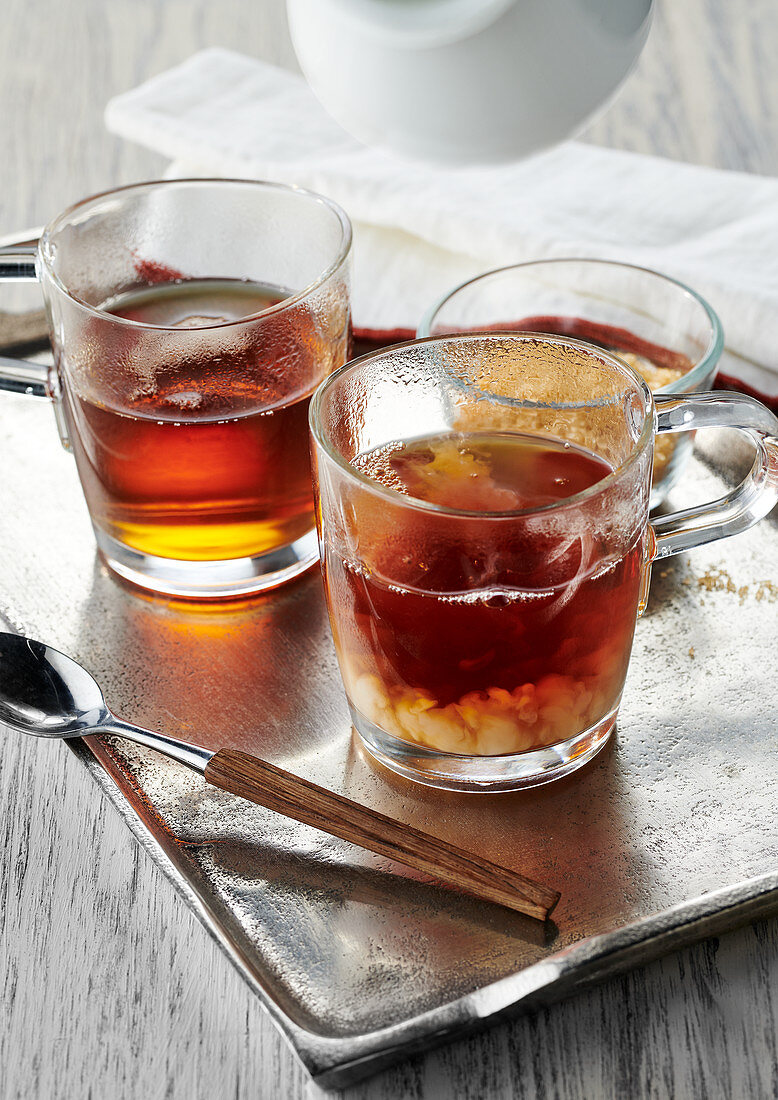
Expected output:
{"points": [[191, 320], [484, 633], [665, 329]]}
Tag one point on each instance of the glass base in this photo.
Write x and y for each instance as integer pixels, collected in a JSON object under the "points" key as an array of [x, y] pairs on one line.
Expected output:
{"points": [[475, 774], [209, 580]]}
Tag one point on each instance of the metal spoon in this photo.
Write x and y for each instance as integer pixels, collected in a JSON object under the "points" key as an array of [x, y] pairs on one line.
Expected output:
{"points": [[47, 694]]}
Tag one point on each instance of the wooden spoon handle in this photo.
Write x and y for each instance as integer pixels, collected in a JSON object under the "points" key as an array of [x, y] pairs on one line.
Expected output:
{"points": [[288, 794]]}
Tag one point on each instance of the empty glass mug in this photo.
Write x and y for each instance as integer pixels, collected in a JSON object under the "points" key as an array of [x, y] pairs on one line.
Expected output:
{"points": [[191, 320], [483, 503]]}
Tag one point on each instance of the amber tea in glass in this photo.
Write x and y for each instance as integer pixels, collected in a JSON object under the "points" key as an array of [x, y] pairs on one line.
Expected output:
{"points": [[226, 436], [191, 322]]}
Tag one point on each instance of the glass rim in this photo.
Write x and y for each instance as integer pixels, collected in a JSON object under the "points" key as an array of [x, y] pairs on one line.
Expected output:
{"points": [[59, 220], [639, 446], [687, 381]]}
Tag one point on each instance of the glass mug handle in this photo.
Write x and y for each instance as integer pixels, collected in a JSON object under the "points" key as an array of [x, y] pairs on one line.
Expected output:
{"points": [[745, 505], [17, 265]]}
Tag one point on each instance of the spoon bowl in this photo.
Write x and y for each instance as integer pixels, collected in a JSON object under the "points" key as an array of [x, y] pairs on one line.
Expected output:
{"points": [[46, 693]]}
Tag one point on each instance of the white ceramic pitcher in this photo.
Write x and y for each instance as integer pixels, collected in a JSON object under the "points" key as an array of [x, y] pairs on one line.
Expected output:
{"points": [[466, 80]]}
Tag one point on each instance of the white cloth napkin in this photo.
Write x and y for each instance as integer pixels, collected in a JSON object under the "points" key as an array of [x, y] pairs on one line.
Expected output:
{"points": [[419, 230]]}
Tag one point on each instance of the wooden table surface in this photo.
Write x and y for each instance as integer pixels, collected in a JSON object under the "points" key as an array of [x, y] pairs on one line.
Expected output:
{"points": [[109, 987]]}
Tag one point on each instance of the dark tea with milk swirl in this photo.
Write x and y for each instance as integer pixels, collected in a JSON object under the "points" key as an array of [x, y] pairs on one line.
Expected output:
{"points": [[494, 643]]}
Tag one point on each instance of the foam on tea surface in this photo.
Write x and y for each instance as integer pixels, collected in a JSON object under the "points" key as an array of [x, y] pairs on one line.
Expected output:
{"points": [[484, 471]]}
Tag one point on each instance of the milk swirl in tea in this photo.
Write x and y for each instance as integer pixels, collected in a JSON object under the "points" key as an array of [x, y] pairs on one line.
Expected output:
{"points": [[488, 645]]}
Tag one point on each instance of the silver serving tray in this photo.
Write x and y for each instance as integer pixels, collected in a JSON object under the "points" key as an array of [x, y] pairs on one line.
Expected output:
{"points": [[668, 836]]}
